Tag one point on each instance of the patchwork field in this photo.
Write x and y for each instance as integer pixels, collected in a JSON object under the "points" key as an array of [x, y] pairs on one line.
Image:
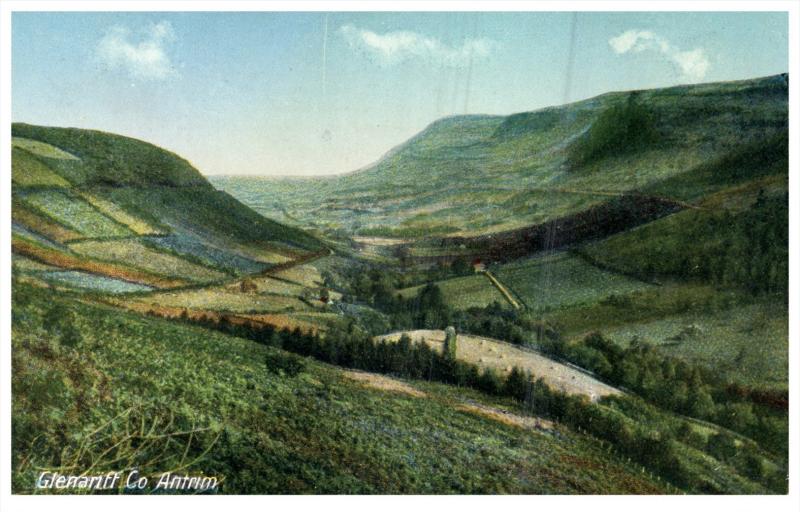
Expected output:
{"points": [[137, 255], [38, 223], [135, 224], [75, 213], [72, 261], [503, 357], [195, 247]]}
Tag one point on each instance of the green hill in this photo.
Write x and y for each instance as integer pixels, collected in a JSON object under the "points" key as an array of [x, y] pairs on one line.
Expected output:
{"points": [[471, 175], [89, 201]]}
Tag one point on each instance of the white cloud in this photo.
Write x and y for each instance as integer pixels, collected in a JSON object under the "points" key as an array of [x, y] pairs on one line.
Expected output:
{"points": [[144, 59], [692, 64], [393, 47]]}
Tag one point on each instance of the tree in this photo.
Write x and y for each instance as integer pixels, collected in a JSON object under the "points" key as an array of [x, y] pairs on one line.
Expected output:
{"points": [[722, 446], [460, 266], [450, 342]]}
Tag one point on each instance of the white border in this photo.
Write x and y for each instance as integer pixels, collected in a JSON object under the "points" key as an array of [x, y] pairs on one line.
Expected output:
{"points": [[8, 502]]}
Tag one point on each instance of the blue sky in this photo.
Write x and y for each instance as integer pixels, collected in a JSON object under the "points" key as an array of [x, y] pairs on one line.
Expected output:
{"points": [[322, 93]]}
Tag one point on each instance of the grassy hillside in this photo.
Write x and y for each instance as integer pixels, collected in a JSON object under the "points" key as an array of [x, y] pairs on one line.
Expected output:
{"points": [[91, 382], [118, 208], [477, 174]]}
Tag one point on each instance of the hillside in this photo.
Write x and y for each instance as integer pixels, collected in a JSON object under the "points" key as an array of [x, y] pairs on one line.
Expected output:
{"points": [[116, 211], [229, 407], [471, 175]]}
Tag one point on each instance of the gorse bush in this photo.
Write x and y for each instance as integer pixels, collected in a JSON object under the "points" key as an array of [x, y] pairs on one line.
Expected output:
{"points": [[282, 362]]}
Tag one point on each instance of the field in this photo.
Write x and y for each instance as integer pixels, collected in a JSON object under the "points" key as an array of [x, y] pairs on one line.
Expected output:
{"points": [[502, 357], [562, 280], [305, 275], [75, 213], [86, 281], [318, 432], [36, 222], [71, 261], [200, 249], [113, 211], [747, 344], [727, 331], [134, 254], [465, 292], [41, 148], [221, 299], [28, 171]]}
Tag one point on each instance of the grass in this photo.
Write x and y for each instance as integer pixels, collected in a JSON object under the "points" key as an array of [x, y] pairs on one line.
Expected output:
{"points": [[71, 261], [743, 338], [28, 171], [75, 213], [41, 224], [134, 254], [305, 275], [472, 175], [138, 226], [562, 280], [746, 344], [262, 432], [83, 280], [38, 148], [464, 292], [221, 299]]}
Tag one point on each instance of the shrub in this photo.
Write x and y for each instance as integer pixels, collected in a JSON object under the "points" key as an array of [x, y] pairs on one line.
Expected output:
{"points": [[285, 363]]}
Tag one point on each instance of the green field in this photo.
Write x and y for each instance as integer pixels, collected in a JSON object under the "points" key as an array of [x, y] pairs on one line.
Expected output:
{"points": [[562, 280], [75, 213], [464, 292], [28, 171], [40, 148]]}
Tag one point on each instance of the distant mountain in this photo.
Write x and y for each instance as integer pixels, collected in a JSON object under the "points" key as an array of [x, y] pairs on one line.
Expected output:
{"points": [[469, 175]]}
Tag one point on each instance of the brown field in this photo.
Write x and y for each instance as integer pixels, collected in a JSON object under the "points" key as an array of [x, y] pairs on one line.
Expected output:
{"points": [[218, 298], [73, 262], [275, 320], [506, 417], [377, 381], [503, 357], [42, 225]]}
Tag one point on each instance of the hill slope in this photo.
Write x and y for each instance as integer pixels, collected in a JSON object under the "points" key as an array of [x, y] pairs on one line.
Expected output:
{"points": [[470, 175], [107, 205]]}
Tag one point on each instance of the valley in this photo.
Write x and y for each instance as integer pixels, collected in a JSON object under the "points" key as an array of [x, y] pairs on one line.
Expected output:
{"points": [[619, 305]]}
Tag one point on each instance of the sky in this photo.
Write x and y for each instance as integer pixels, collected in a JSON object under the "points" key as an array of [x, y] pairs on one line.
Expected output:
{"points": [[325, 93]]}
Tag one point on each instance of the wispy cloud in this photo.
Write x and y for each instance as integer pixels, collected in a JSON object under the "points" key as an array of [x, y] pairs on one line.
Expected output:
{"points": [[693, 64], [398, 46], [145, 58]]}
